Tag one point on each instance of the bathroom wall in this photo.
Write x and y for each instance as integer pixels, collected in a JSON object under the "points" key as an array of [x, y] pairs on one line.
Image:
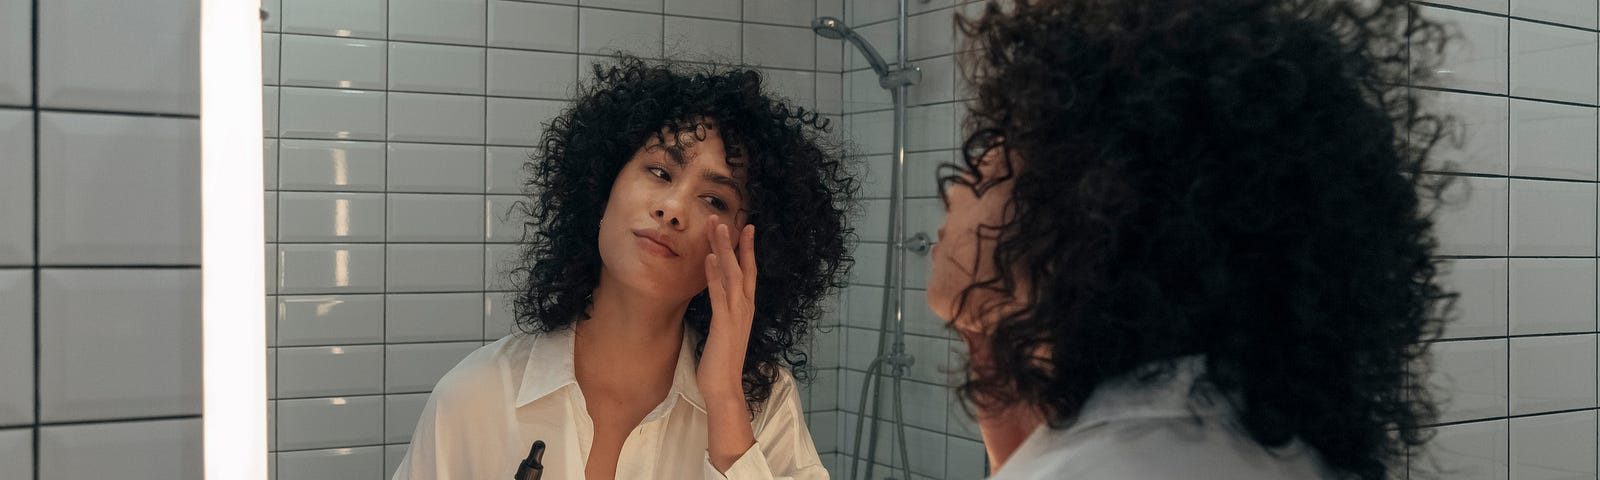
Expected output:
{"points": [[395, 132], [941, 440], [1519, 367], [100, 239]]}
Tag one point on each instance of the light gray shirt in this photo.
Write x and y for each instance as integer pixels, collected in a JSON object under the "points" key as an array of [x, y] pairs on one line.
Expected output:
{"points": [[1131, 431]]}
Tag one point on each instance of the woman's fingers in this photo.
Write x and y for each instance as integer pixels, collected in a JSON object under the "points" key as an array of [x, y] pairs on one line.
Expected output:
{"points": [[714, 280], [747, 260], [732, 277]]}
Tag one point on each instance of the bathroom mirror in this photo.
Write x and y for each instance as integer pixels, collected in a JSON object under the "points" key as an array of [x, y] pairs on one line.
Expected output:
{"points": [[394, 135]]}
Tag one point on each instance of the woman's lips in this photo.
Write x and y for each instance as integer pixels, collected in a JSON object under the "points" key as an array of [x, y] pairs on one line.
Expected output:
{"points": [[655, 247]]}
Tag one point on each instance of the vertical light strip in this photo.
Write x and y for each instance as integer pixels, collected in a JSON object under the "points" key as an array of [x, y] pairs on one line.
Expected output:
{"points": [[232, 229]]}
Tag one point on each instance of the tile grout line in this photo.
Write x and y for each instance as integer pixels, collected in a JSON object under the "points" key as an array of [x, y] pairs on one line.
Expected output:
{"points": [[37, 338]]}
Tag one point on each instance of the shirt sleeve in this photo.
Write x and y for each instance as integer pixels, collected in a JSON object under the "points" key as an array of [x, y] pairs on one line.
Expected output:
{"points": [[783, 448]]}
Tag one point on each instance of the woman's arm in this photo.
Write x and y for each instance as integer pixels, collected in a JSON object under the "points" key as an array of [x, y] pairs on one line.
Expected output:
{"points": [[782, 448]]}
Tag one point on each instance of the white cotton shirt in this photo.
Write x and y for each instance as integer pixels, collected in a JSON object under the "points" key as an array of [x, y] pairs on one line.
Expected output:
{"points": [[486, 412], [1131, 431]]}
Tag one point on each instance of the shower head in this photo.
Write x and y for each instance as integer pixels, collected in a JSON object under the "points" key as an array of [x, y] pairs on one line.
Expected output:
{"points": [[833, 28], [829, 27]]}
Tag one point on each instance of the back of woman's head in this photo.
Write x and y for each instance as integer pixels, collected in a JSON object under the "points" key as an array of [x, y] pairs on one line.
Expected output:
{"points": [[1235, 179]]}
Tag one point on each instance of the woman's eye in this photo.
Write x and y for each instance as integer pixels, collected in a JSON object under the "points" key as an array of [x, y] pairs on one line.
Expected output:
{"points": [[717, 203], [658, 172]]}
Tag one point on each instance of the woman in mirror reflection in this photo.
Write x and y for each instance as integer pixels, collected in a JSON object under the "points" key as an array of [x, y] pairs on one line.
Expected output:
{"points": [[1192, 239], [651, 345]]}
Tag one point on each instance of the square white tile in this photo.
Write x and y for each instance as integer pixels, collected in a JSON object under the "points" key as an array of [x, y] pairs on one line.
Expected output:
{"points": [[724, 9], [331, 165], [1490, 6], [122, 450], [313, 61], [330, 217], [436, 218], [270, 261], [798, 89], [270, 217], [434, 317], [1469, 379], [392, 456], [400, 416], [1552, 140], [931, 127], [274, 20], [316, 113], [533, 26], [1476, 58], [271, 48], [931, 34], [269, 160], [964, 459], [438, 21], [340, 18], [16, 451], [1552, 373], [269, 111], [1553, 446], [16, 52], [85, 370], [1577, 13], [517, 73], [500, 263], [1553, 63], [830, 95], [1479, 145], [1475, 217], [416, 367], [520, 122], [16, 187], [507, 218], [16, 347], [425, 268], [336, 463], [148, 165], [340, 268], [779, 47], [325, 371], [329, 319], [1483, 285], [938, 81], [1469, 451], [647, 6], [424, 117], [1552, 295], [609, 31], [499, 318], [418, 67], [504, 166], [702, 39], [433, 168], [328, 423], [124, 56], [1552, 218], [796, 13], [872, 132]]}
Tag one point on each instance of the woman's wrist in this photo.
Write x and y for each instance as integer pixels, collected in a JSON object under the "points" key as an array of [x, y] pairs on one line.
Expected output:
{"points": [[730, 434]]}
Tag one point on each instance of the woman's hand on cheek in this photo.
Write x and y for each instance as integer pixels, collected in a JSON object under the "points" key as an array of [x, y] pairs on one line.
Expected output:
{"points": [[731, 281], [732, 284]]}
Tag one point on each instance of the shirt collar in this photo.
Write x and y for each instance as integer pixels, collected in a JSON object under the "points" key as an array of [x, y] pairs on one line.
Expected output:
{"points": [[1128, 398], [550, 368]]}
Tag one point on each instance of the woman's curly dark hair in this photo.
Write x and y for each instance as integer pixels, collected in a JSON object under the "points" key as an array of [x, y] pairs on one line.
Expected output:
{"points": [[1234, 179], [798, 189]]}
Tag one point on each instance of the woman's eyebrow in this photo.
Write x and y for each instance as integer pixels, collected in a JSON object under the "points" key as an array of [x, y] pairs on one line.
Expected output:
{"points": [[721, 179]]}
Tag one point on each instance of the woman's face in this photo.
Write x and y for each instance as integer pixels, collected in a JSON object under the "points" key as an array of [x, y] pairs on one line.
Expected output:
{"points": [[959, 257], [653, 235]]}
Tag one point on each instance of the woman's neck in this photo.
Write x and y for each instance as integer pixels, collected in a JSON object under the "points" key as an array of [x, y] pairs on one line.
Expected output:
{"points": [[630, 340], [1004, 431]]}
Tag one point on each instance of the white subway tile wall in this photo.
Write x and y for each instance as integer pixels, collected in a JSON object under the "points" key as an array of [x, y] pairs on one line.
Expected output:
{"points": [[100, 239], [396, 135], [1517, 370]]}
